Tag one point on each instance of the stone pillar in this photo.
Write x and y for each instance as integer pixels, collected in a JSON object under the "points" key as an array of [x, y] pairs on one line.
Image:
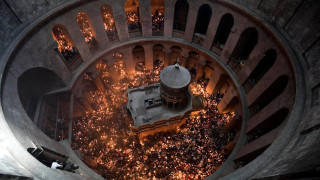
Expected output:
{"points": [[208, 71], [191, 21], [148, 56], [227, 100], [97, 23], [227, 149], [266, 81], [169, 17], [230, 44], [200, 70], [233, 123], [248, 68], [255, 57], [86, 101], [166, 53], [70, 119], [86, 96], [57, 117], [145, 17], [78, 108], [128, 59], [212, 29], [38, 109], [99, 84], [120, 20], [184, 59], [214, 79], [78, 39]]}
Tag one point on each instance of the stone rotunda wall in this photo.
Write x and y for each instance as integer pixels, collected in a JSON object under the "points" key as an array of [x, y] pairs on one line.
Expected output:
{"points": [[280, 35]]}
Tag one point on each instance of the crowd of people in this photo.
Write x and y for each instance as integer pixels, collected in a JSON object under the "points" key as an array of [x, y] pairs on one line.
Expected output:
{"points": [[86, 29], [158, 21], [65, 46], [105, 135], [133, 21], [109, 25]]}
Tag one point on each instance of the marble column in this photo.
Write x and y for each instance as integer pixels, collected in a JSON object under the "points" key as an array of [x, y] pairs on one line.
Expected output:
{"points": [[166, 53], [184, 61], [128, 58], [230, 44], [70, 119], [145, 17], [191, 21], [99, 84], [214, 79], [97, 23], [148, 56], [169, 17], [200, 67], [212, 29], [120, 19], [78, 39], [227, 100]]}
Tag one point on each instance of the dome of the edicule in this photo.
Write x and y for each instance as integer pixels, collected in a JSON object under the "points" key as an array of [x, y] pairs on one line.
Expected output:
{"points": [[175, 76]]}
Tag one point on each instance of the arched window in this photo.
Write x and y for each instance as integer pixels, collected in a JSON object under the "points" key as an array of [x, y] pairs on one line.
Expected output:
{"points": [[203, 19], [271, 93], [246, 43], [157, 12], [109, 23], [180, 15], [133, 15], [138, 57], [261, 69], [223, 31], [66, 46], [87, 29]]}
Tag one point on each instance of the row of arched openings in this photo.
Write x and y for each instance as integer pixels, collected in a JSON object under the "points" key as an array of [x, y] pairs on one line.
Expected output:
{"points": [[246, 43], [191, 62]]}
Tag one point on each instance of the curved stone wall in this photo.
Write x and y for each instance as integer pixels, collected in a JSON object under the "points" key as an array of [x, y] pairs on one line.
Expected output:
{"points": [[35, 47]]}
